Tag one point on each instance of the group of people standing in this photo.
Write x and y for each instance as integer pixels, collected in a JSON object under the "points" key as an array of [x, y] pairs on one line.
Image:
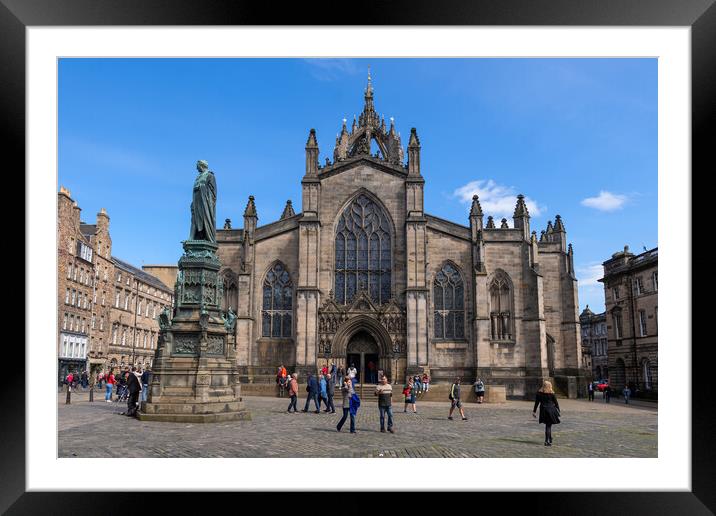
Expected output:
{"points": [[321, 389], [132, 382], [74, 380], [607, 393]]}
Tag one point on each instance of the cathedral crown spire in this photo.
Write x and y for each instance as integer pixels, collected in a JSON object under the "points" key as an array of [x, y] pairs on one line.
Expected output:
{"points": [[369, 118], [369, 127]]}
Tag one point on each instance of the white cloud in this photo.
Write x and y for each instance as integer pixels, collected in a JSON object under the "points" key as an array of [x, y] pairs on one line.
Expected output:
{"points": [[331, 69], [589, 274], [496, 200], [605, 201]]}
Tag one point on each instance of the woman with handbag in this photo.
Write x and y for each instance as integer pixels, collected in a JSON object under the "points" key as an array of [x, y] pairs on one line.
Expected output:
{"points": [[549, 410]]}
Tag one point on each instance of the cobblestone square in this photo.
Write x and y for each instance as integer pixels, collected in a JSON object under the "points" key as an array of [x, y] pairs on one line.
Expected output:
{"points": [[588, 429]]}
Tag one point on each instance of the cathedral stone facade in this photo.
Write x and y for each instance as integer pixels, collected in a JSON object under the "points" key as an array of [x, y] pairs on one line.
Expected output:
{"points": [[362, 274]]}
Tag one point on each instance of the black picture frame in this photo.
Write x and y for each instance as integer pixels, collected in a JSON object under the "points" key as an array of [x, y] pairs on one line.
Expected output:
{"points": [[700, 15]]}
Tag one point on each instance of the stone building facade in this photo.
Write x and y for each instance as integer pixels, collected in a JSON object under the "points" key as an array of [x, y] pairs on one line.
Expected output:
{"points": [[363, 274], [631, 302], [137, 300], [75, 286], [90, 323], [595, 343]]}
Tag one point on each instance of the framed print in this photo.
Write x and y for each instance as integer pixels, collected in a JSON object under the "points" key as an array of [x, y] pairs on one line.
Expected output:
{"points": [[353, 272]]}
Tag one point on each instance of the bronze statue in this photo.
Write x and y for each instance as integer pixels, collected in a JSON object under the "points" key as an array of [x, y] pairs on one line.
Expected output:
{"points": [[203, 205]]}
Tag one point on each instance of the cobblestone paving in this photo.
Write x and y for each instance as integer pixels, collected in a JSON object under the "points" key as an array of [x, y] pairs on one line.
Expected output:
{"points": [[508, 430]]}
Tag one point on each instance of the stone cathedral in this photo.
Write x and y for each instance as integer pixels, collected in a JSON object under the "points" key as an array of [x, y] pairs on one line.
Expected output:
{"points": [[363, 274]]}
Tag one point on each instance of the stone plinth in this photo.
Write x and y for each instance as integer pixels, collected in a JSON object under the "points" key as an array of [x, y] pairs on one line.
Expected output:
{"points": [[195, 375], [495, 394]]}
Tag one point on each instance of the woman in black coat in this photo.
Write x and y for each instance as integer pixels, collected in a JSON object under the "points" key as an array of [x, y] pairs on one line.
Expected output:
{"points": [[549, 410]]}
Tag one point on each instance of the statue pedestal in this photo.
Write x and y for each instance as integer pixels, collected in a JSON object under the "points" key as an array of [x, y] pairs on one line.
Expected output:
{"points": [[195, 375]]}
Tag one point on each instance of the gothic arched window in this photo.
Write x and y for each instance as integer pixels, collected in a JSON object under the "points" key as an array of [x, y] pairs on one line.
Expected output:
{"points": [[500, 308], [277, 312], [363, 252], [448, 296]]}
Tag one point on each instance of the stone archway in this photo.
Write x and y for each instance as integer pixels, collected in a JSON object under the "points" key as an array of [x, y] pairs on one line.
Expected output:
{"points": [[363, 353], [364, 335]]}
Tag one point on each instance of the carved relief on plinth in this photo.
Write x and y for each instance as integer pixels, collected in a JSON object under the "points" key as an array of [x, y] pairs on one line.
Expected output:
{"points": [[215, 345], [185, 345]]}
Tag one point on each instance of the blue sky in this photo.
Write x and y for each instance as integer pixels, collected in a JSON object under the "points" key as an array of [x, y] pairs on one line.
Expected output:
{"points": [[578, 137]]}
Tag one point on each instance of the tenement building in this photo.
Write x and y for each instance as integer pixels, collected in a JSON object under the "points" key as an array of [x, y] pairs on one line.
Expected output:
{"points": [[75, 287], [137, 300], [631, 300], [594, 343], [363, 274], [94, 328]]}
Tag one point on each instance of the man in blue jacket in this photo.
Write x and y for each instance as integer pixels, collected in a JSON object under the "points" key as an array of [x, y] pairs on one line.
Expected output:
{"points": [[312, 388]]}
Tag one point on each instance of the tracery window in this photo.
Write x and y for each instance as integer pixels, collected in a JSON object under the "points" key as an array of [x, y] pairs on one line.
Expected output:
{"points": [[277, 313], [363, 252], [448, 296], [500, 309]]}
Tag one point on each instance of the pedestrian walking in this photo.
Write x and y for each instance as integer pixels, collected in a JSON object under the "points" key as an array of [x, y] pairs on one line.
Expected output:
{"points": [[340, 373], [454, 398], [384, 391], [347, 392], [83, 380], [330, 390], [312, 389], [293, 392], [607, 393], [479, 390], [135, 387], [146, 380], [409, 393], [322, 391], [110, 385], [627, 394], [590, 391], [548, 410]]}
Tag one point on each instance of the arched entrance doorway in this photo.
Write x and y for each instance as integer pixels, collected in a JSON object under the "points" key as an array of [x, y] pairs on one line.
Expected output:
{"points": [[362, 352]]}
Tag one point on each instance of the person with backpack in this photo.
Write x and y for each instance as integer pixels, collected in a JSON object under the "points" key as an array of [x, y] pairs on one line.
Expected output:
{"points": [[312, 390], [330, 390], [454, 398]]}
